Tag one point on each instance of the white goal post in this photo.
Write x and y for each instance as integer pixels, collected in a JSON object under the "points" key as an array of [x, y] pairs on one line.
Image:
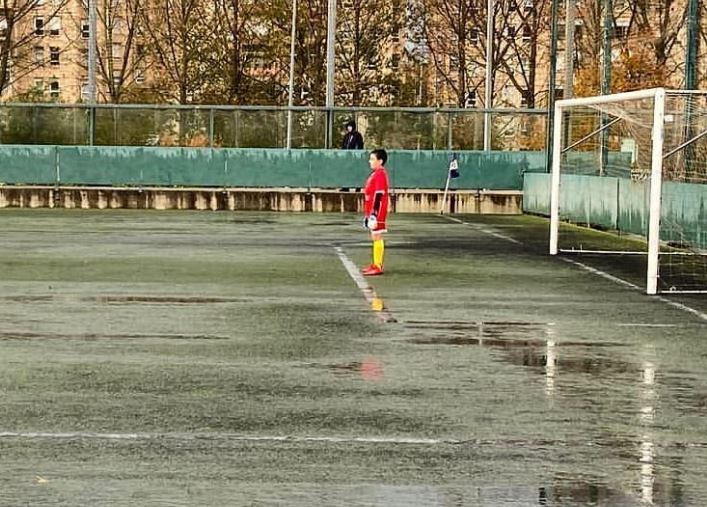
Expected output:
{"points": [[633, 108]]}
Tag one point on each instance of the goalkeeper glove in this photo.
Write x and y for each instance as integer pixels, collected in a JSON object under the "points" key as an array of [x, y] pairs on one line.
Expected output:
{"points": [[371, 222]]}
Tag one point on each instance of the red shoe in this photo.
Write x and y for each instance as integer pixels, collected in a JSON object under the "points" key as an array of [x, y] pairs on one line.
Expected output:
{"points": [[372, 270]]}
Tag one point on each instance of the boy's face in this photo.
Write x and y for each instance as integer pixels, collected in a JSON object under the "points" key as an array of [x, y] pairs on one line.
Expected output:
{"points": [[374, 162], [349, 128]]}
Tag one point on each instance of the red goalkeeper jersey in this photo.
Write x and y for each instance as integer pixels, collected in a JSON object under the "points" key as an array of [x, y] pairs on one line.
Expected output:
{"points": [[377, 197]]}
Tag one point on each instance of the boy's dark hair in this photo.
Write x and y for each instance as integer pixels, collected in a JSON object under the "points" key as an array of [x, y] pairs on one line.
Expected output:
{"points": [[381, 155]]}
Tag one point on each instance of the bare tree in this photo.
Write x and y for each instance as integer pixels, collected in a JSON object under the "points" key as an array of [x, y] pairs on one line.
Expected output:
{"points": [[369, 49], [19, 30], [179, 40], [523, 29], [249, 37], [120, 53], [456, 33]]}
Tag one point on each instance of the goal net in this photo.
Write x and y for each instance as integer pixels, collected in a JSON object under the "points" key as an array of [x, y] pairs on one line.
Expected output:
{"points": [[634, 164]]}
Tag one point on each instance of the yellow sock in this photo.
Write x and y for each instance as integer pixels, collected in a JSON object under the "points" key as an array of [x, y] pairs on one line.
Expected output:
{"points": [[378, 250]]}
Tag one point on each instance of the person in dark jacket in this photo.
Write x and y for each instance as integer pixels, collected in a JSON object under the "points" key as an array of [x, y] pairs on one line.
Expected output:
{"points": [[353, 140]]}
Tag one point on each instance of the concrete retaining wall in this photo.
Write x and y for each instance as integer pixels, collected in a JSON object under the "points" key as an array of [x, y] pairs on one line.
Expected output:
{"points": [[250, 199]]}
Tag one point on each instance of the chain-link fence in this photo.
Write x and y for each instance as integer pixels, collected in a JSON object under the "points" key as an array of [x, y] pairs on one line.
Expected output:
{"points": [[266, 127]]}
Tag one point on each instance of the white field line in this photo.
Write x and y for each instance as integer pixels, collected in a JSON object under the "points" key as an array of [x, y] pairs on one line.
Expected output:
{"points": [[630, 285], [598, 272], [222, 436], [373, 300], [485, 230], [276, 439]]}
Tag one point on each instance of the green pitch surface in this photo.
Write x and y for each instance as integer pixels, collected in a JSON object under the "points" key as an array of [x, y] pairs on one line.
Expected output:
{"points": [[152, 358]]}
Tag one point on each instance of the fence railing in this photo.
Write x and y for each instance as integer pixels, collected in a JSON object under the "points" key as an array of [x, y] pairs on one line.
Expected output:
{"points": [[266, 126]]}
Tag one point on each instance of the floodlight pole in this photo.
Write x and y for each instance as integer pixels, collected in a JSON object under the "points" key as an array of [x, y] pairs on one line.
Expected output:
{"points": [[570, 16], [692, 42], [291, 97], [606, 79], [92, 46], [554, 13], [691, 74], [330, 70], [488, 100], [92, 25]]}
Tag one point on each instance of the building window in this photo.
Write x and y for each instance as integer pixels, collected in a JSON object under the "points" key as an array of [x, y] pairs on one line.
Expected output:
{"points": [[38, 55], [524, 98], [621, 30], [140, 76], [54, 89], [474, 35], [470, 99], [85, 29], [559, 93], [54, 55], [54, 26], [395, 61], [510, 32], [528, 5], [39, 26], [3, 29], [527, 34], [39, 85], [117, 50], [117, 78]]}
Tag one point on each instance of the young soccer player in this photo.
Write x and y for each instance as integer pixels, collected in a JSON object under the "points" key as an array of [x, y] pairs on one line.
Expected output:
{"points": [[376, 208]]}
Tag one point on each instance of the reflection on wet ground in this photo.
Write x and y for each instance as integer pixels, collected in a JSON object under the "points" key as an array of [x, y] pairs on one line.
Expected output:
{"points": [[176, 359]]}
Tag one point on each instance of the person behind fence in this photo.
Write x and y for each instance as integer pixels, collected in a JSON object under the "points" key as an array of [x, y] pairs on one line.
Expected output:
{"points": [[353, 140]]}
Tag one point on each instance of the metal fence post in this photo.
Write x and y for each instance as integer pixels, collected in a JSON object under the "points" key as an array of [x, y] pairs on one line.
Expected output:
{"points": [[450, 144], [211, 127], [91, 125]]}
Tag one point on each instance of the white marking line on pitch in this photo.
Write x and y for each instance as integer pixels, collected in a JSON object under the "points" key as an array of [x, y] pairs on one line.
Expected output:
{"points": [[592, 270], [373, 300], [633, 286], [484, 230], [224, 436]]}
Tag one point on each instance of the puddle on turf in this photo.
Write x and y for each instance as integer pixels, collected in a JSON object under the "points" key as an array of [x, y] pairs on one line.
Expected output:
{"points": [[522, 343], [89, 337], [27, 299], [189, 300]]}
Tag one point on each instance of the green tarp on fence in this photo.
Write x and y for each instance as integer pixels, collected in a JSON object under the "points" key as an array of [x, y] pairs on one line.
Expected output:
{"points": [[620, 203], [207, 167]]}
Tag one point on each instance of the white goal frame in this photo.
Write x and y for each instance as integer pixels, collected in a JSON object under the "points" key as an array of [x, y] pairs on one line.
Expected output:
{"points": [[658, 95]]}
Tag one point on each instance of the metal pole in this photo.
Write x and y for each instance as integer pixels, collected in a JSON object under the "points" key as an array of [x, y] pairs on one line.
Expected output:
{"points": [[569, 49], [291, 98], [488, 100], [692, 42], [691, 77], [551, 85], [606, 79], [330, 69], [570, 15], [211, 128], [92, 38]]}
